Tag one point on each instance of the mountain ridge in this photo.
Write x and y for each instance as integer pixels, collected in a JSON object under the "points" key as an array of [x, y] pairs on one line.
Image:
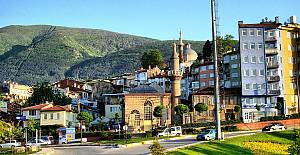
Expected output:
{"points": [[38, 53]]}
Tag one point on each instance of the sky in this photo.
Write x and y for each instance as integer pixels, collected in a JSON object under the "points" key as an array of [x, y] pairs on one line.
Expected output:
{"points": [[159, 19]]}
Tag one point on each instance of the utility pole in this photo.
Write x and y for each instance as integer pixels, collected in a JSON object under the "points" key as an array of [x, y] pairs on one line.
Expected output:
{"points": [[216, 85]]}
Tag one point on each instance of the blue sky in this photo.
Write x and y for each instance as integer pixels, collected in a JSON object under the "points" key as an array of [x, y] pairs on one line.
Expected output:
{"points": [[160, 19]]}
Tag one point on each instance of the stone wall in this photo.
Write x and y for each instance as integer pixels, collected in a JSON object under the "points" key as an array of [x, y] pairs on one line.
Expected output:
{"points": [[290, 123]]}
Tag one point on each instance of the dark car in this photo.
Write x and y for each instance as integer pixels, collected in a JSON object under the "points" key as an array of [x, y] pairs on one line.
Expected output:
{"points": [[274, 126]]}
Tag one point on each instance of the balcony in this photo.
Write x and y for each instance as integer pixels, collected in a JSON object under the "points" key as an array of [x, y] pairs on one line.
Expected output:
{"points": [[270, 38], [273, 78], [271, 65], [271, 51], [274, 92]]}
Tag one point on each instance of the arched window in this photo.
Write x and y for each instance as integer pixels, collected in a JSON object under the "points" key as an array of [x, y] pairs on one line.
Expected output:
{"points": [[147, 110], [135, 115]]}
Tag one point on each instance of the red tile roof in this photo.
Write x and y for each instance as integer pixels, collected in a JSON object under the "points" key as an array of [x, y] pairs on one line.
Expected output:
{"points": [[36, 107], [57, 108]]}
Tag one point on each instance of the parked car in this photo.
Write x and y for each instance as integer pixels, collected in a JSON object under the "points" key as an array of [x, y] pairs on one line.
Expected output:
{"points": [[10, 144], [33, 142], [208, 134], [172, 131], [48, 139], [274, 126]]}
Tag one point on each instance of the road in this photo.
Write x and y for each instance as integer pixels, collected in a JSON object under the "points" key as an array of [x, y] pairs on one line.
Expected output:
{"points": [[140, 149]]}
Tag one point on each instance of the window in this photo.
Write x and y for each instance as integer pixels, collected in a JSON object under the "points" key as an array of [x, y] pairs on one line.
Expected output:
{"points": [[259, 32], [234, 75], [147, 111], [211, 83], [247, 86], [261, 72], [271, 34], [244, 32], [235, 99], [253, 73], [32, 112], [261, 59], [246, 59], [234, 83], [247, 100], [254, 100], [202, 84], [259, 86], [51, 116], [246, 72], [202, 76], [227, 100], [254, 86], [252, 46], [292, 85], [45, 116], [57, 116], [203, 68], [114, 109], [234, 65], [233, 57], [289, 35], [245, 46], [251, 32], [211, 75], [253, 59], [211, 67], [259, 45]]}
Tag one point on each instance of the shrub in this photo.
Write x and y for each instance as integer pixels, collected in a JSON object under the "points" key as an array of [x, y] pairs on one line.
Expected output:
{"points": [[229, 128], [156, 148]]}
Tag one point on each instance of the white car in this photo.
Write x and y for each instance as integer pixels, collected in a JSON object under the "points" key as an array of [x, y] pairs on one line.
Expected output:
{"points": [[173, 131], [34, 143], [10, 144]]}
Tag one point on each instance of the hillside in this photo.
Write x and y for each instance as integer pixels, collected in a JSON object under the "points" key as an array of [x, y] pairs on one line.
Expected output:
{"points": [[31, 54]]}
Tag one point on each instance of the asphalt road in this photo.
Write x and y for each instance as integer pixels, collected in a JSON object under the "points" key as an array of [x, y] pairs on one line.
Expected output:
{"points": [[140, 149]]}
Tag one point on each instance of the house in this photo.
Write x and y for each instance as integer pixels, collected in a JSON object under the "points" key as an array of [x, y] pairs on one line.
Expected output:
{"points": [[49, 114], [58, 115]]}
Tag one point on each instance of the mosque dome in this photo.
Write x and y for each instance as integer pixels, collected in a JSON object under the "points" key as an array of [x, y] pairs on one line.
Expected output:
{"points": [[144, 89], [191, 55]]}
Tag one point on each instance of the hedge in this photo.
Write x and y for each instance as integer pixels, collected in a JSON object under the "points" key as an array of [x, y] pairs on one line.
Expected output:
{"points": [[282, 117], [208, 124]]}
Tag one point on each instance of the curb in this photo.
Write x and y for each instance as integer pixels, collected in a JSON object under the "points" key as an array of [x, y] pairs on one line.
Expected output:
{"points": [[151, 141]]}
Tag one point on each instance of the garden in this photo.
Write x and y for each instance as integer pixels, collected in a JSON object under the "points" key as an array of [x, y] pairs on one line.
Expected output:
{"points": [[281, 142]]}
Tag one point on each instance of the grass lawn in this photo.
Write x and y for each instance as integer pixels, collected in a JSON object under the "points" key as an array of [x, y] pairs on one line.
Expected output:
{"points": [[129, 141], [261, 143]]}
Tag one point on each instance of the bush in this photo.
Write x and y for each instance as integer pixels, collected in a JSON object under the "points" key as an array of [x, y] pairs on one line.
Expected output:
{"points": [[294, 149], [156, 148], [229, 128]]}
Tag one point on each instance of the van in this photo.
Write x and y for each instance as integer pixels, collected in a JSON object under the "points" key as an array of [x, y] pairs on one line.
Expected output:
{"points": [[172, 131]]}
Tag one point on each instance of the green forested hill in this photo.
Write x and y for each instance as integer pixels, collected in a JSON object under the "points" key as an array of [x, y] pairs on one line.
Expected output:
{"points": [[39, 53]]}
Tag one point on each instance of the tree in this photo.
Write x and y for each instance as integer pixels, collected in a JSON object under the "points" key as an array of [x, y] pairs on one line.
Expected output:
{"points": [[257, 107], [86, 117], [201, 107], [152, 57], [278, 106], [4, 130], [181, 109], [207, 51], [117, 116], [237, 108], [225, 43], [156, 148], [43, 92], [158, 110]]}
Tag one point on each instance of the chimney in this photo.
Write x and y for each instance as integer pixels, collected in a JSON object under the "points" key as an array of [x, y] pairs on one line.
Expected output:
{"points": [[240, 22], [277, 19], [293, 19]]}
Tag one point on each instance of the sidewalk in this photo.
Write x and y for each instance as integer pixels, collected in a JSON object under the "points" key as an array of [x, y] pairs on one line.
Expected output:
{"points": [[45, 151]]}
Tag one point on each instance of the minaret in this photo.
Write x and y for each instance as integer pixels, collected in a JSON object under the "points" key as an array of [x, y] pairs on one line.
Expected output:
{"points": [[180, 47], [175, 77]]}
